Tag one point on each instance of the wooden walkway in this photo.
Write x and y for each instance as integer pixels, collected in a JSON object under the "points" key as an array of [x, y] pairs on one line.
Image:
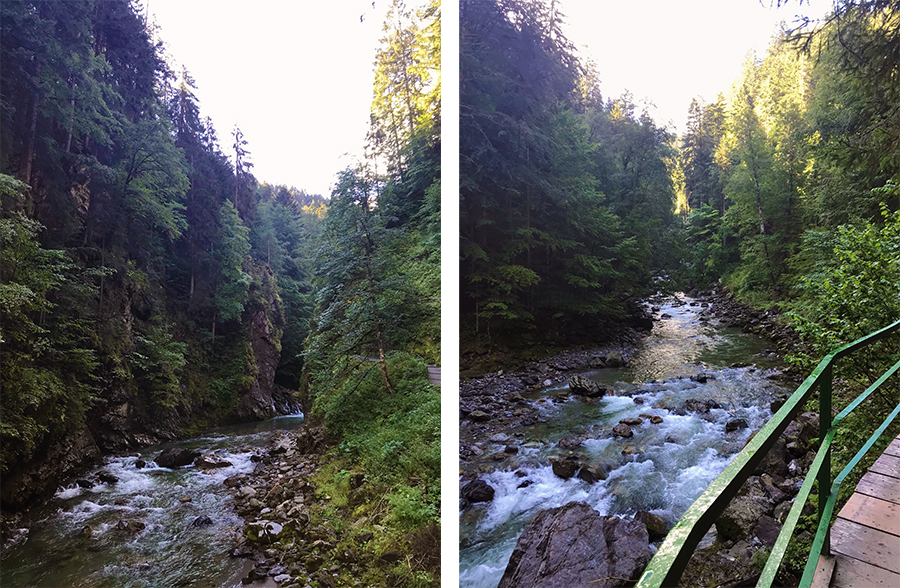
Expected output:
{"points": [[865, 538], [434, 375]]}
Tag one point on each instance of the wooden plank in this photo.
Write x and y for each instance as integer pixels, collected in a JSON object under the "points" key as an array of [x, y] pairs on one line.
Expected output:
{"points": [[824, 571], [869, 545], [872, 512], [887, 465], [894, 448], [852, 573], [880, 486]]}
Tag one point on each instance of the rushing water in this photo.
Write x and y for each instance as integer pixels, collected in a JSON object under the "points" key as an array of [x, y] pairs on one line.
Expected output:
{"points": [[662, 469], [78, 540]]}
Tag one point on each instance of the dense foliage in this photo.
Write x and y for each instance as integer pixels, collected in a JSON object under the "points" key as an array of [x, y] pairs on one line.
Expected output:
{"points": [[791, 200], [565, 198], [791, 176], [376, 322], [136, 257]]}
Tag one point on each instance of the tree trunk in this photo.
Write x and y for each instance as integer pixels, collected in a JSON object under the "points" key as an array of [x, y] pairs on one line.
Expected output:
{"points": [[382, 361], [28, 153]]}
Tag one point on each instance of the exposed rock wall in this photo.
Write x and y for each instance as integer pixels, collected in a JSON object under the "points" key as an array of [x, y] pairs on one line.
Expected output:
{"points": [[264, 323], [57, 459]]}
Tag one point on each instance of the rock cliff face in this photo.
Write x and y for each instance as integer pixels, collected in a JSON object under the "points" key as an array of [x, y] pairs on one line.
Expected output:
{"points": [[124, 417], [58, 459], [264, 320]]}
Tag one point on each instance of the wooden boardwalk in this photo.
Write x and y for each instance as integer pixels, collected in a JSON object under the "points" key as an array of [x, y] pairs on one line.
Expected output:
{"points": [[865, 538]]}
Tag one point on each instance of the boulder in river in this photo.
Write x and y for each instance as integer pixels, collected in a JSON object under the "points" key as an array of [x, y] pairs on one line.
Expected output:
{"points": [[208, 462], [735, 424], [202, 521], [574, 545], [176, 457], [591, 474], [478, 491], [130, 526], [570, 442], [107, 478], [565, 468], [694, 405], [586, 387], [622, 430]]}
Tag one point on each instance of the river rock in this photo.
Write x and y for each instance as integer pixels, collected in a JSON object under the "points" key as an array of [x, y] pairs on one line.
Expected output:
{"points": [[479, 416], [735, 424], [614, 359], [632, 421], [130, 526], [208, 462], [570, 442], [176, 457], [232, 482], [694, 405], [574, 545], [477, 491], [715, 566], [622, 430], [586, 387], [656, 526], [598, 361], [591, 474], [767, 530], [741, 516], [268, 530], [775, 461], [565, 468], [140, 464], [809, 428], [202, 521]]}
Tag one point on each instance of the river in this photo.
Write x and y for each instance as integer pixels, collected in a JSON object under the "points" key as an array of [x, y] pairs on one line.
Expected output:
{"points": [[662, 469], [92, 537]]}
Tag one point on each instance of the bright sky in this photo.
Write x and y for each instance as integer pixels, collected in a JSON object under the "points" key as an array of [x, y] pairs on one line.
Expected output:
{"points": [[295, 75], [669, 51]]}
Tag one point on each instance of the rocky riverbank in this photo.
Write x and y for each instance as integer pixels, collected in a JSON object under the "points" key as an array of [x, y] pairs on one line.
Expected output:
{"points": [[307, 524], [735, 550]]}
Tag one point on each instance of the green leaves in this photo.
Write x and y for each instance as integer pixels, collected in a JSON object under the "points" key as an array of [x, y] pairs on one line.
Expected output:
{"points": [[232, 246]]}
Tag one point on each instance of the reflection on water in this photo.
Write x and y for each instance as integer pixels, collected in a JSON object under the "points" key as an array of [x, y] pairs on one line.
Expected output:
{"points": [[663, 468], [139, 532]]}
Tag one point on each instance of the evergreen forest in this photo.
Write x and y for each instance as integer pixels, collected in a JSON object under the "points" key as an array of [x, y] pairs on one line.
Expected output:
{"points": [[584, 223], [153, 287], [574, 206]]}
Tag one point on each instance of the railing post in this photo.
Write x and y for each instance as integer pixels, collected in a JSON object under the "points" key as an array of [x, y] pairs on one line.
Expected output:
{"points": [[824, 477]]}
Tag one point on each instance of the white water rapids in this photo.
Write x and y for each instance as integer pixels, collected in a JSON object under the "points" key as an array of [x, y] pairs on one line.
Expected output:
{"points": [[662, 468], [75, 542]]}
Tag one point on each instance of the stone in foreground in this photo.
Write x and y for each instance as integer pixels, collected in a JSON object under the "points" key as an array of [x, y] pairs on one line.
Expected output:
{"points": [[574, 545], [585, 387], [176, 457]]}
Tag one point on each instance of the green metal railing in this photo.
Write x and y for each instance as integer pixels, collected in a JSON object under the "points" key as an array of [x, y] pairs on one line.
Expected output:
{"points": [[671, 559]]}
